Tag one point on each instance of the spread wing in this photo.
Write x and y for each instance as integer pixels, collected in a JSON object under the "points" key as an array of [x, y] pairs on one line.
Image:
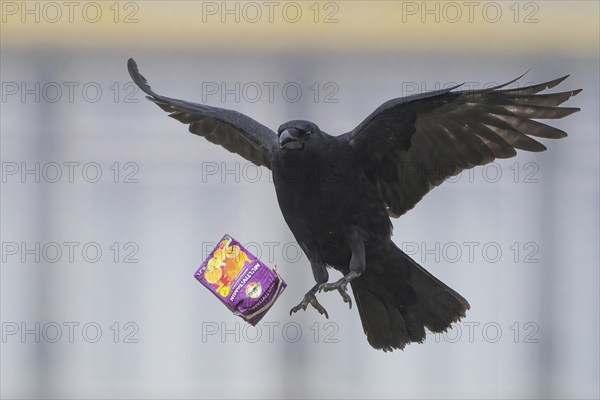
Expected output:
{"points": [[234, 131], [409, 145]]}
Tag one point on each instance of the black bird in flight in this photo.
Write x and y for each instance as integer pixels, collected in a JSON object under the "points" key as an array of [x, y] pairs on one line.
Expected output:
{"points": [[337, 193]]}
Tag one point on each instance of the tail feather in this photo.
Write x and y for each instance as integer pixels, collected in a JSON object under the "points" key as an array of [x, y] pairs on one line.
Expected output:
{"points": [[397, 299]]}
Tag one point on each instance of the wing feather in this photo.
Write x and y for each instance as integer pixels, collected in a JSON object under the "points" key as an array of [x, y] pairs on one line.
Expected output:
{"points": [[409, 145], [230, 129]]}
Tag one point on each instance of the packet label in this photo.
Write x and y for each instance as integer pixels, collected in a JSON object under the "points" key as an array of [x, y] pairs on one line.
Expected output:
{"points": [[240, 280]]}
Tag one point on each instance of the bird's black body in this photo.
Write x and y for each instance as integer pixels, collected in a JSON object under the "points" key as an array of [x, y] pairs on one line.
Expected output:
{"points": [[313, 192], [337, 193]]}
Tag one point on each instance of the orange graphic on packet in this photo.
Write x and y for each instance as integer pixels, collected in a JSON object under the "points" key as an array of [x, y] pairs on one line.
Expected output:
{"points": [[224, 266]]}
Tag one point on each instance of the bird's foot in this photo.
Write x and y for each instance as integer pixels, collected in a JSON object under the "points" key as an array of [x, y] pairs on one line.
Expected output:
{"points": [[340, 286], [311, 299]]}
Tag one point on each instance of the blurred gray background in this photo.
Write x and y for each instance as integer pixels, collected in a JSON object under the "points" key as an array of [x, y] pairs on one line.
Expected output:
{"points": [[518, 239]]}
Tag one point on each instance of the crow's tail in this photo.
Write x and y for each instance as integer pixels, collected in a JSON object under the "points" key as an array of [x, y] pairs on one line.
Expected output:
{"points": [[397, 299]]}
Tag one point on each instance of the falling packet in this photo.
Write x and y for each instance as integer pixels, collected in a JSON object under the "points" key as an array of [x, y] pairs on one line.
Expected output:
{"points": [[240, 280]]}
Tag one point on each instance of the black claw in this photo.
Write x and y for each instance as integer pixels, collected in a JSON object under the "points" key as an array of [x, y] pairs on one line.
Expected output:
{"points": [[311, 299], [319, 307], [340, 286], [345, 296]]}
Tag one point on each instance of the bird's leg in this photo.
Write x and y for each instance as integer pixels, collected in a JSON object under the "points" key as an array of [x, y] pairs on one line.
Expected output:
{"points": [[357, 267], [321, 275]]}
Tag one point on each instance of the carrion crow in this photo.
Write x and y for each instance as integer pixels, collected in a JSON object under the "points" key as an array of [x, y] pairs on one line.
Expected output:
{"points": [[337, 193]]}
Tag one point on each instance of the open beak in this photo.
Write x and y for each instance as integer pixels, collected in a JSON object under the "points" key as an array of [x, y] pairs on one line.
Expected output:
{"points": [[289, 139]]}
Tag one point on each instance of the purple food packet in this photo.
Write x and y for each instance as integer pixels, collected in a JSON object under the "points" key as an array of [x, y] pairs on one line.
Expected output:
{"points": [[240, 280]]}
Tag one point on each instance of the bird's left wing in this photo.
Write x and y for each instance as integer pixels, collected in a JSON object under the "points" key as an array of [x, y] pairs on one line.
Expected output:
{"points": [[409, 145], [234, 131]]}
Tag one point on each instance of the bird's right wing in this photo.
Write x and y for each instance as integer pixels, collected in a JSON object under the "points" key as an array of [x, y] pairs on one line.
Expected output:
{"points": [[234, 131], [410, 145]]}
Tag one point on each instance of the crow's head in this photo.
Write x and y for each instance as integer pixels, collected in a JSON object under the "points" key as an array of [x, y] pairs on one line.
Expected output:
{"points": [[295, 135]]}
